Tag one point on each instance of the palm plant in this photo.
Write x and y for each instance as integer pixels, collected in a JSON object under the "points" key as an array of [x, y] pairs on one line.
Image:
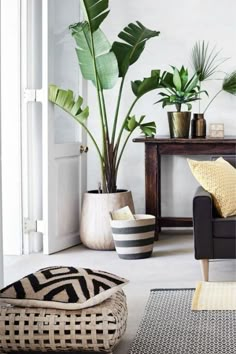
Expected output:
{"points": [[104, 64], [228, 85], [206, 63]]}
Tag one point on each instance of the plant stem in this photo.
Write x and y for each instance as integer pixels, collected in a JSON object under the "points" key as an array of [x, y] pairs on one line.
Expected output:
{"points": [[106, 169], [93, 140], [178, 107], [104, 113], [117, 111], [199, 102], [116, 165], [123, 124], [212, 100], [88, 132], [102, 110], [122, 150]]}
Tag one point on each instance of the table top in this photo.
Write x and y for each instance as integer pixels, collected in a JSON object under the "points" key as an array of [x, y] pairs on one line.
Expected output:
{"points": [[164, 139]]}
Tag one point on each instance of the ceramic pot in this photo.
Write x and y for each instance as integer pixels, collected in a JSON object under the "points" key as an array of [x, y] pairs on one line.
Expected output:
{"points": [[198, 126], [179, 124], [95, 228]]}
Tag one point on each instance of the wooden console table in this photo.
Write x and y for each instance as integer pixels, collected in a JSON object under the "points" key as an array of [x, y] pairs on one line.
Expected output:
{"points": [[161, 145]]}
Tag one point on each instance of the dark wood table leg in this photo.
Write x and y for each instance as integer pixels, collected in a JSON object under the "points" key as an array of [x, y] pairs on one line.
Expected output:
{"points": [[152, 183]]}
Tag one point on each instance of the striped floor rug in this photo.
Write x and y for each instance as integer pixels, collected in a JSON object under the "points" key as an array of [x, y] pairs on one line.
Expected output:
{"points": [[169, 326]]}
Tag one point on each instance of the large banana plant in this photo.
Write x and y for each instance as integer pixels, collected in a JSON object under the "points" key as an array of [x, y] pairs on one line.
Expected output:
{"points": [[105, 64]]}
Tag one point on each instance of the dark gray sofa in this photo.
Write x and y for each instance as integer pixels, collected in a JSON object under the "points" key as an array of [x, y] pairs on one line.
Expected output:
{"points": [[214, 236]]}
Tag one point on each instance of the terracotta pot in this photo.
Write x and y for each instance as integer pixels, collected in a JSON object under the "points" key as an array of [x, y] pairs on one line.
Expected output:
{"points": [[95, 228], [179, 123]]}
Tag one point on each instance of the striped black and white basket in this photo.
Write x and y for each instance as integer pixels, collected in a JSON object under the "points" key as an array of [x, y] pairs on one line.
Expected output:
{"points": [[134, 238]]}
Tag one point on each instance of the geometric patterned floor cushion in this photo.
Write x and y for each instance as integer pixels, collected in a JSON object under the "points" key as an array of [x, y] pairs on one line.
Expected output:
{"points": [[62, 288], [98, 328]]}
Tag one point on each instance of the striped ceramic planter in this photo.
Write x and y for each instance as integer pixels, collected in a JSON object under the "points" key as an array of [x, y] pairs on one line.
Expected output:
{"points": [[134, 238]]}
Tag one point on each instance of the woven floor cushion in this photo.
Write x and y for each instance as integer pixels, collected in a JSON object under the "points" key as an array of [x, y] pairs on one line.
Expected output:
{"points": [[97, 328]]}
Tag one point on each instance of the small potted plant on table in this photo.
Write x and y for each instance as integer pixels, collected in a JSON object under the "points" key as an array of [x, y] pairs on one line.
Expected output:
{"points": [[179, 90]]}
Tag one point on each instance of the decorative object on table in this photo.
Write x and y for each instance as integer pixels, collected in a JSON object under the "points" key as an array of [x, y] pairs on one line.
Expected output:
{"points": [[179, 90], [104, 64], [214, 296], [216, 130], [94, 329], [180, 330], [133, 236], [206, 63], [62, 287], [198, 126]]}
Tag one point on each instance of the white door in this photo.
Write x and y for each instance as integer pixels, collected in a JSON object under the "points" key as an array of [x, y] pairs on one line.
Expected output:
{"points": [[11, 127], [63, 167]]}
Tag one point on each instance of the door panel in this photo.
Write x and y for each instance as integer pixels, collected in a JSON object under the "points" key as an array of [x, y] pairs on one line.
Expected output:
{"points": [[62, 136], [65, 199]]}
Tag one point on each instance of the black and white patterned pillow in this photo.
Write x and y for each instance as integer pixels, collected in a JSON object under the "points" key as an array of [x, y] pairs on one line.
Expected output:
{"points": [[62, 288]]}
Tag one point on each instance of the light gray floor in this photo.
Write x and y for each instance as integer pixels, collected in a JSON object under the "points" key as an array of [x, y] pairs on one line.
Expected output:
{"points": [[172, 265]]}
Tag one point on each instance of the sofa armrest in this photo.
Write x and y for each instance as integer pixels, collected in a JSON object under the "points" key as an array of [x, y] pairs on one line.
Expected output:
{"points": [[202, 224]]}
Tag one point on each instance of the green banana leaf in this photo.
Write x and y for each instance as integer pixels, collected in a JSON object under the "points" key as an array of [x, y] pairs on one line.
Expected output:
{"points": [[65, 100], [95, 12], [135, 36], [131, 123], [149, 128], [106, 62], [139, 87]]}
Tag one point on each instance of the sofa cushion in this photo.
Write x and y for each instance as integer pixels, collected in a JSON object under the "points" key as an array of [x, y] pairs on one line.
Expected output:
{"points": [[218, 178], [62, 288], [224, 227]]}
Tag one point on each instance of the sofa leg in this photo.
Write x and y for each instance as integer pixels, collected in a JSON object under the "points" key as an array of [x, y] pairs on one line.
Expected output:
{"points": [[205, 268]]}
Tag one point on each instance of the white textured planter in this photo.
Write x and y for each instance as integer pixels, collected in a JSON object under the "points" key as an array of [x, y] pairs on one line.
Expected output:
{"points": [[95, 228], [134, 238]]}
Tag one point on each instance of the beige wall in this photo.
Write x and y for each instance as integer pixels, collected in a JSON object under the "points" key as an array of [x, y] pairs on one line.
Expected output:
{"points": [[180, 26]]}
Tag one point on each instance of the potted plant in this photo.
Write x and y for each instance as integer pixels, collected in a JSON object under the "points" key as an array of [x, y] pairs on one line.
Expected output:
{"points": [[206, 63], [104, 65], [179, 90]]}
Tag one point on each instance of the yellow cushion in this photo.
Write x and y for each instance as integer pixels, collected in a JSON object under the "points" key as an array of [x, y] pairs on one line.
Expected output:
{"points": [[218, 178]]}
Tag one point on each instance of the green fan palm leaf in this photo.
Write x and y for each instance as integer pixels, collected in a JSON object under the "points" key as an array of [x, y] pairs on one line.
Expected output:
{"points": [[205, 61], [134, 37], [229, 83]]}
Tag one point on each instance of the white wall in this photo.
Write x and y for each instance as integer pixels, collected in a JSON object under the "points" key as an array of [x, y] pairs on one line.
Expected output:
{"points": [[180, 26]]}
